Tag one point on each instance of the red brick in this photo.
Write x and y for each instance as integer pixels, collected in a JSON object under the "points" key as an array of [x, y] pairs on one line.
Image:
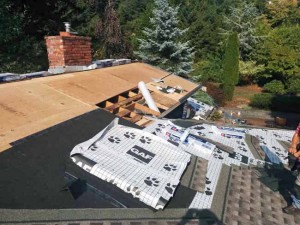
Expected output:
{"points": [[68, 50]]}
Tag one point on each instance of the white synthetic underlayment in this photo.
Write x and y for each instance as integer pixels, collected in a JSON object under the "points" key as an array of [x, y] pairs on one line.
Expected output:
{"points": [[201, 109], [230, 136], [184, 139], [137, 162], [153, 181]]}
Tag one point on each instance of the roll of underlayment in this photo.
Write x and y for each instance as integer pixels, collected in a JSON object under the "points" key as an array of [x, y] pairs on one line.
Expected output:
{"points": [[149, 100]]}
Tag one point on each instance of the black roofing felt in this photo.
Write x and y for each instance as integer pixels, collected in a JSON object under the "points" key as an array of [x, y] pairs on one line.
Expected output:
{"points": [[34, 174]]}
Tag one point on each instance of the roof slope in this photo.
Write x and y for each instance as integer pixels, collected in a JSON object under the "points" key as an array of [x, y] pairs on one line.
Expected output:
{"points": [[238, 187], [42, 167], [30, 106], [250, 201]]}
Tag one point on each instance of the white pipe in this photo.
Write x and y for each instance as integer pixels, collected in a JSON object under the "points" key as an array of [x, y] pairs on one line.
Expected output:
{"points": [[149, 100]]}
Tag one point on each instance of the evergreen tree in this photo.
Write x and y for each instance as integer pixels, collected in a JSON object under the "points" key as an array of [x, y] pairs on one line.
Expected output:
{"points": [[20, 52], [243, 19], [114, 44], [204, 18], [162, 47], [231, 66], [134, 16]]}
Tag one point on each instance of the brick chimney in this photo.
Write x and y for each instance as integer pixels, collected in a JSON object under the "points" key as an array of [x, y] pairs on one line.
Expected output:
{"points": [[67, 50]]}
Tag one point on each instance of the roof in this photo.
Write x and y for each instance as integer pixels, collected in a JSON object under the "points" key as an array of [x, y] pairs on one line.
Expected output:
{"points": [[246, 186], [252, 196], [46, 167], [235, 174], [29, 106], [95, 86], [216, 186]]}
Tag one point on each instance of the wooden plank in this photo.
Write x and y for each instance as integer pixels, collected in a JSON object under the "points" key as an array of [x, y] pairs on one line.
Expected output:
{"points": [[121, 98], [163, 99], [105, 104], [161, 106], [142, 121], [123, 113], [4, 147], [146, 109], [128, 100], [130, 107], [174, 80], [131, 94], [136, 118], [135, 72], [148, 123]]}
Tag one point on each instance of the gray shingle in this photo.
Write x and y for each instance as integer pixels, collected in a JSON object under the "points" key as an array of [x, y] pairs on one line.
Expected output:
{"points": [[251, 202]]}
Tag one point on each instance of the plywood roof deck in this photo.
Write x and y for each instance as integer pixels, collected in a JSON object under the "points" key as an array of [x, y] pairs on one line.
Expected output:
{"points": [[131, 103], [174, 81], [93, 87], [96, 86], [29, 106], [137, 72]]}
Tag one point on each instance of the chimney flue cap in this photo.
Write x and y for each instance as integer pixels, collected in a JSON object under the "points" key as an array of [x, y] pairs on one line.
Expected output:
{"points": [[68, 26]]}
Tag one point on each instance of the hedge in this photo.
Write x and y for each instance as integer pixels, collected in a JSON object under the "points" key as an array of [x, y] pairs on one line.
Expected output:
{"points": [[275, 87], [282, 103]]}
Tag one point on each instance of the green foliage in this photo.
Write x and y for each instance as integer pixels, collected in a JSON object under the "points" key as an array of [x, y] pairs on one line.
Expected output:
{"points": [[283, 12], [249, 71], [134, 16], [19, 52], [286, 103], [262, 101], [203, 97], [208, 70], [243, 20], [99, 20], [228, 91], [203, 28], [274, 87], [28, 56], [129, 10], [293, 86], [231, 60], [114, 45], [10, 24], [280, 51], [216, 116], [276, 102], [231, 66], [161, 46], [268, 34]]}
